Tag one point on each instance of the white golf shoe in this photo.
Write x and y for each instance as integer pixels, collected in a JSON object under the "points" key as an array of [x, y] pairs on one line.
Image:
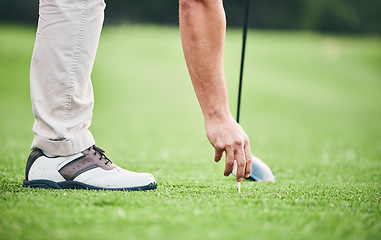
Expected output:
{"points": [[90, 169]]}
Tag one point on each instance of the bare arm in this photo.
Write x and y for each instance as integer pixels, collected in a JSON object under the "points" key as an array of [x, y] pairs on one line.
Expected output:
{"points": [[202, 27]]}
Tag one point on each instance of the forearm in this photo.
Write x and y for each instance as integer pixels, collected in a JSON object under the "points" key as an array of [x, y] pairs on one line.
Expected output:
{"points": [[202, 27]]}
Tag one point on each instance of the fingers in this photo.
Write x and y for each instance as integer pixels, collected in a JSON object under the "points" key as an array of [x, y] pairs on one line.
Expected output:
{"points": [[240, 153], [218, 154], [249, 159], [248, 167], [229, 162], [241, 164], [226, 135]]}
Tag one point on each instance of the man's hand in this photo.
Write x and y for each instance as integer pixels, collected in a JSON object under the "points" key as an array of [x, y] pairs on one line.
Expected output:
{"points": [[226, 135]]}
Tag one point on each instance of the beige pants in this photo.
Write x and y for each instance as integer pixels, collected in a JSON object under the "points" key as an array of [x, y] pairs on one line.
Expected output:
{"points": [[60, 85]]}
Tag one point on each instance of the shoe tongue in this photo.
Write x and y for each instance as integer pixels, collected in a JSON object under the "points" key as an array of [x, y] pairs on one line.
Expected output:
{"points": [[103, 156]]}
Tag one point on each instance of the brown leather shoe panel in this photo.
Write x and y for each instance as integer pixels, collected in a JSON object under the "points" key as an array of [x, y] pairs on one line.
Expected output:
{"points": [[83, 164]]}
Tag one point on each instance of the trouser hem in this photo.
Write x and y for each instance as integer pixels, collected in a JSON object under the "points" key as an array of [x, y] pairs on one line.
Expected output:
{"points": [[64, 147]]}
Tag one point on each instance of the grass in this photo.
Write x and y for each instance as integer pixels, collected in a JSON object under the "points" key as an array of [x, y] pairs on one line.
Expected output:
{"points": [[311, 106]]}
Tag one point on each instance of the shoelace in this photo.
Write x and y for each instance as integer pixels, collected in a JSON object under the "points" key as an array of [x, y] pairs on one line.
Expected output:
{"points": [[101, 153]]}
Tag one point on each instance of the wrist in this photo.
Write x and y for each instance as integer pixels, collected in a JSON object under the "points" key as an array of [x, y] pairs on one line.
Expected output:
{"points": [[214, 115]]}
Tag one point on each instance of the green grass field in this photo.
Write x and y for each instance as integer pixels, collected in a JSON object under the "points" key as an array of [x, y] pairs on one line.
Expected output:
{"points": [[311, 107]]}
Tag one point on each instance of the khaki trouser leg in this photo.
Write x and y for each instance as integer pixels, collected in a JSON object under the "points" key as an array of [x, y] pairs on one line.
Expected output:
{"points": [[61, 90]]}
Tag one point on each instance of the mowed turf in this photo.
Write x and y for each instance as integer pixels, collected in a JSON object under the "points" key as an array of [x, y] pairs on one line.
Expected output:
{"points": [[311, 107]]}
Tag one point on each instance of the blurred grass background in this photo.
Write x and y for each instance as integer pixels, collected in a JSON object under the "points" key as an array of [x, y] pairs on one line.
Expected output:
{"points": [[311, 107], [344, 16]]}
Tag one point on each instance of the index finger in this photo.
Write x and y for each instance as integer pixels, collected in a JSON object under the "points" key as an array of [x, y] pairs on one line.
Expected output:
{"points": [[218, 154], [229, 161]]}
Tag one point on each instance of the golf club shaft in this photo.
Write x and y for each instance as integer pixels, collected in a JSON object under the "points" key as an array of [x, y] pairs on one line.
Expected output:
{"points": [[245, 27]]}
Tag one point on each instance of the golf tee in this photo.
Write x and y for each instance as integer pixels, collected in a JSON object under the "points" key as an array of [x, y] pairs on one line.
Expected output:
{"points": [[239, 187]]}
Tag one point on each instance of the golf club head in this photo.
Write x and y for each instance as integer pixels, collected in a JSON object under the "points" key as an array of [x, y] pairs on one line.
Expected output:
{"points": [[259, 171]]}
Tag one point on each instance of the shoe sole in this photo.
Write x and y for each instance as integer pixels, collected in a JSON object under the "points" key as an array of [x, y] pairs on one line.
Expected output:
{"points": [[47, 184]]}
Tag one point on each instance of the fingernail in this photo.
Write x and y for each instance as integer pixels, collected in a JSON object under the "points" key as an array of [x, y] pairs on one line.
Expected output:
{"points": [[240, 179]]}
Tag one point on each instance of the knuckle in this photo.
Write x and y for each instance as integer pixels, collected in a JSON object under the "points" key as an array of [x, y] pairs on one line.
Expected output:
{"points": [[238, 142], [219, 146], [241, 162], [229, 162]]}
